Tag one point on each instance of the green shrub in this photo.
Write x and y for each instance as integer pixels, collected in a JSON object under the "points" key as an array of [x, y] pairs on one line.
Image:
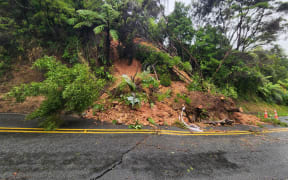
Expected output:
{"points": [[98, 107], [148, 81], [137, 125], [134, 99], [165, 80], [114, 122], [229, 91], [5, 61], [162, 96], [129, 82], [195, 85], [185, 98], [65, 89], [151, 121], [187, 66], [71, 50], [275, 122], [274, 92], [103, 73]]}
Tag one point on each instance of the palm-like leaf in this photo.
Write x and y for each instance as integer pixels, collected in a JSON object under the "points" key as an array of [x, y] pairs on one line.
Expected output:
{"points": [[84, 13], [72, 21], [84, 23], [114, 34], [99, 29]]}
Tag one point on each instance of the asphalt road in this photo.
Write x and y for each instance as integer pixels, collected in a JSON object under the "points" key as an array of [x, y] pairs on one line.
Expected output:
{"points": [[97, 156]]}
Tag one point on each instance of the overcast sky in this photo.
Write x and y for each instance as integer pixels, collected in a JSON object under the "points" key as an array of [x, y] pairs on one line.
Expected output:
{"points": [[169, 4]]}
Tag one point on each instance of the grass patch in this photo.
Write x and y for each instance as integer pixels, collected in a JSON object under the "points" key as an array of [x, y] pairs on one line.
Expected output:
{"points": [[260, 125], [259, 106], [275, 122], [180, 125], [162, 96]]}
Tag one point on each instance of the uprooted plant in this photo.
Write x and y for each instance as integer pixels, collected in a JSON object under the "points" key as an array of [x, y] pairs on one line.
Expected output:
{"points": [[65, 90]]}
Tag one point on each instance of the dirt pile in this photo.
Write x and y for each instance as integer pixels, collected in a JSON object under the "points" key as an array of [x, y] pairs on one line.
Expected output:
{"points": [[167, 110]]}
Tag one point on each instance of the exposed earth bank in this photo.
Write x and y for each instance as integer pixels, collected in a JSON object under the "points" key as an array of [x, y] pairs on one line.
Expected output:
{"points": [[164, 104]]}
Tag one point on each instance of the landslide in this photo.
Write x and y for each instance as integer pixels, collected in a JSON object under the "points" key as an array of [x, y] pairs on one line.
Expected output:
{"points": [[200, 106]]}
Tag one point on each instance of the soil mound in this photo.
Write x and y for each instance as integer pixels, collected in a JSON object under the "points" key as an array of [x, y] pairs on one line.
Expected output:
{"points": [[200, 106]]}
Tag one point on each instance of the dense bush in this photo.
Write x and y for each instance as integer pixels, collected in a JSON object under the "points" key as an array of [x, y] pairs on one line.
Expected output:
{"points": [[162, 61], [165, 80], [65, 90], [5, 61]]}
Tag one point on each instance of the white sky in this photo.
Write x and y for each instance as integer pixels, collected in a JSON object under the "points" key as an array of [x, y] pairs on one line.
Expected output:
{"points": [[283, 41]]}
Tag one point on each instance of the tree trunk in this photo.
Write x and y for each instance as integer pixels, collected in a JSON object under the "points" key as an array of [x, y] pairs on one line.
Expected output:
{"points": [[108, 47]]}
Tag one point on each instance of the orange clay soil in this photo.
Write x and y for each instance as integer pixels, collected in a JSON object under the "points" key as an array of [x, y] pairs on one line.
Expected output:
{"points": [[167, 112]]}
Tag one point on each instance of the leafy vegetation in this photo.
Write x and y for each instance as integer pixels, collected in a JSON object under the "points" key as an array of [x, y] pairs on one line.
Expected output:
{"points": [[135, 126], [275, 122], [65, 90]]}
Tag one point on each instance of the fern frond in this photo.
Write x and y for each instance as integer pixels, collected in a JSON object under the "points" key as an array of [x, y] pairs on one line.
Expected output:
{"points": [[99, 29], [84, 23], [114, 34], [71, 21]]}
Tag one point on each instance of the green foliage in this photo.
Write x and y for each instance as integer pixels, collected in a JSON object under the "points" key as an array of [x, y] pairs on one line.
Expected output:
{"points": [[98, 107], [195, 85], [163, 62], [101, 72], [229, 91], [129, 81], [133, 100], [274, 93], [222, 50], [275, 122], [148, 81], [162, 96], [5, 61], [51, 123], [165, 80], [187, 66], [151, 121], [65, 89], [259, 125], [180, 125], [71, 50], [185, 98], [114, 122], [137, 126]]}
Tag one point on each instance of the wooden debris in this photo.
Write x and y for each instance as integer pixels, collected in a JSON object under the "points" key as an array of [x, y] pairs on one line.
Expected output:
{"points": [[221, 122], [183, 75]]}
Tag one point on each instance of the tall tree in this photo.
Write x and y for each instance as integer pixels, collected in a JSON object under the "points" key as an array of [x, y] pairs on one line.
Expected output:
{"points": [[101, 21], [246, 23]]}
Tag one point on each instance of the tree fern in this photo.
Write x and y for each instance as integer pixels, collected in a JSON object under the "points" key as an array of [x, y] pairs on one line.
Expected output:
{"points": [[99, 29], [114, 34]]}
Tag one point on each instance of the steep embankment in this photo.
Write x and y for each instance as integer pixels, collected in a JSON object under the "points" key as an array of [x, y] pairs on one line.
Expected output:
{"points": [[20, 74], [162, 104]]}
